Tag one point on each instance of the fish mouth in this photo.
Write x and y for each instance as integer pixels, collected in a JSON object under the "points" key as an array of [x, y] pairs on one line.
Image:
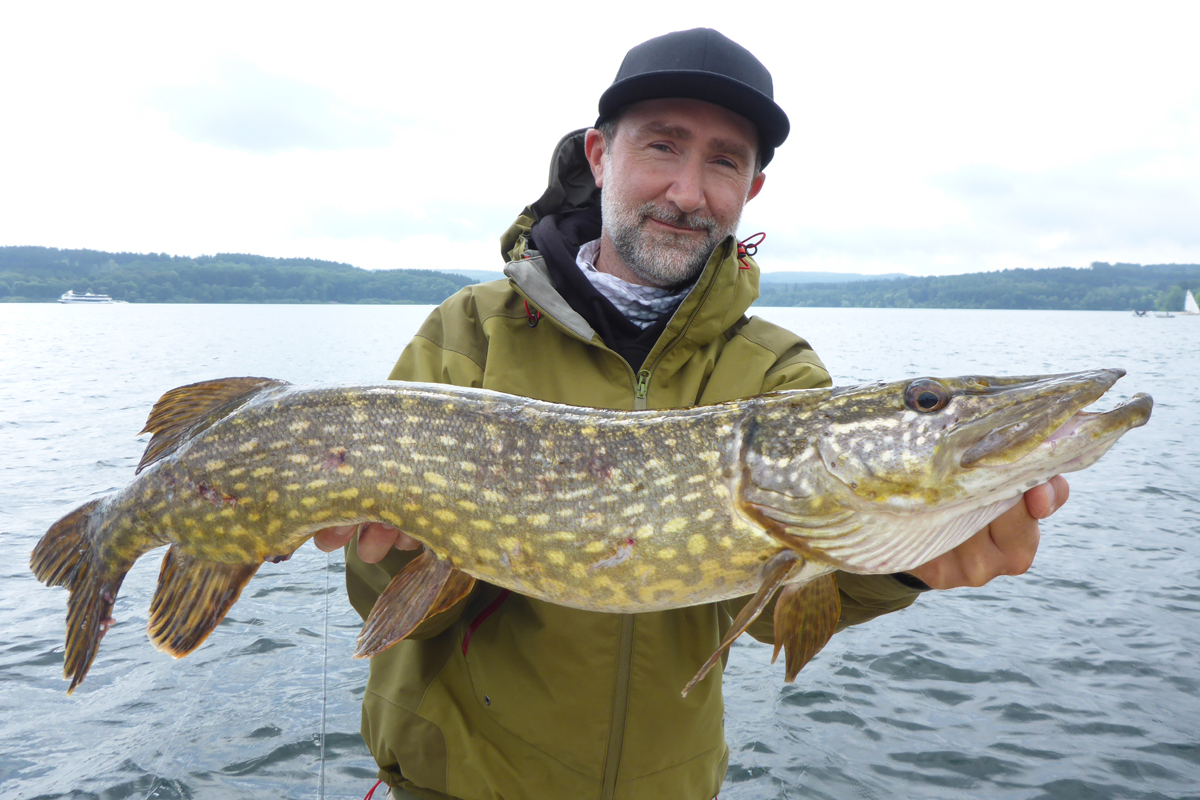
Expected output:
{"points": [[1043, 413], [1085, 435]]}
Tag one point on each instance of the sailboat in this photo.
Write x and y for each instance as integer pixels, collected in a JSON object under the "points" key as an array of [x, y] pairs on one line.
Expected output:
{"points": [[1189, 305]]}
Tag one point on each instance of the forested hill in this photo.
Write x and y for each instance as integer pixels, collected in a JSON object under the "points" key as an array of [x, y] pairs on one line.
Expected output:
{"points": [[42, 274], [1102, 286]]}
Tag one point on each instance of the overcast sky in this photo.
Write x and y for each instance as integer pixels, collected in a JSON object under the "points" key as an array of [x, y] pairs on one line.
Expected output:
{"points": [[926, 138]]}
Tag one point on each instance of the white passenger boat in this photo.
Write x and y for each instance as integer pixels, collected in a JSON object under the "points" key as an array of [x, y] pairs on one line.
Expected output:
{"points": [[70, 297]]}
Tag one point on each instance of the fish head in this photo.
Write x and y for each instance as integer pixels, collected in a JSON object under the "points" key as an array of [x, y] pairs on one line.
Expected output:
{"points": [[917, 445], [881, 478]]}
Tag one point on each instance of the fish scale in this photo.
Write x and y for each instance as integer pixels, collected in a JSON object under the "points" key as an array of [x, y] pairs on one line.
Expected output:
{"points": [[602, 510]]}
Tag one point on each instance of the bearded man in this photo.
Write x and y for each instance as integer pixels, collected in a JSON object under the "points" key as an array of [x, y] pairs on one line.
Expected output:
{"points": [[625, 289]]}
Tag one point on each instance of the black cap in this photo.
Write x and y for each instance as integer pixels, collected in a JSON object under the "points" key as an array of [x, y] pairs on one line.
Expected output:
{"points": [[700, 64]]}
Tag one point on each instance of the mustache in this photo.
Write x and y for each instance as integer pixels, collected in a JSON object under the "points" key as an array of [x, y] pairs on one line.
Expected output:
{"points": [[695, 222]]}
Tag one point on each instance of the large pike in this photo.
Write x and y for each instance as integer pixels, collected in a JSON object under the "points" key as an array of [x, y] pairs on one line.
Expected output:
{"points": [[601, 510]]}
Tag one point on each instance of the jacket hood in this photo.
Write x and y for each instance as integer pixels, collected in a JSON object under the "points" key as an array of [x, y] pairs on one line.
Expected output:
{"points": [[724, 291]]}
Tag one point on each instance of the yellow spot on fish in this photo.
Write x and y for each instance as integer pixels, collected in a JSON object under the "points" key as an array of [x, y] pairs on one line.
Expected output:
{"points": [[445, 515], [291, 487], [215, 464], [509, 543], [493, 497], [666, 554], [274, 525], [247, 446], [467, 505], [675, 525], [482, 525], [308, 501], [563, 536], [368, 502], [345, 494], [467, 466], [389, 516], [227, 512], [448, 441], [578, 570], [389, 488], [239, 487], [697, 544], [298, 458], [593, 547], [262, 471], [507, 519], [435, 479], [233, 473], [633, 510], [299, 425], [698, 479], [460, 541], [345, 469], [556, 557], [279, 444], [486, 555], [706, 515], [317, 484], [538, 520]]}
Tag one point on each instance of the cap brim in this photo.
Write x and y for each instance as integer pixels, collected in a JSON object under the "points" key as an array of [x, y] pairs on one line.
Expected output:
{"points": [[772, 124]]}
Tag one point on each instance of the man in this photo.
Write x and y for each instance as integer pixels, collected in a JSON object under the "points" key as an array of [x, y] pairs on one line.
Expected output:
{"points": [[625, 290]]}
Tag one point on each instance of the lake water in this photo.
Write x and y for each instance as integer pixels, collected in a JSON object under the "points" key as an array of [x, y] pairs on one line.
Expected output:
{"points": [[1078, 680]]}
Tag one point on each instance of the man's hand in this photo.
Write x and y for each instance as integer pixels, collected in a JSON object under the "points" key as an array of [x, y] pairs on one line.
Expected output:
{"points": [[375, 541], [1005, 547]]}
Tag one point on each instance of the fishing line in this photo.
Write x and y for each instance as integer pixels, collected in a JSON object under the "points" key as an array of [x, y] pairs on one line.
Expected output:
{"points": [[324, 675]]}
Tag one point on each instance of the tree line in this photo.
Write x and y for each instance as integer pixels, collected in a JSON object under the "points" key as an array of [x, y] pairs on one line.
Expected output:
{"points": [[45, 273], [1100, 287], [42, 274]]}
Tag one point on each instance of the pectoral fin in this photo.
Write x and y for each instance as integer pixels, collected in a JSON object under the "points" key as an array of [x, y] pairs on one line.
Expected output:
{"points": [[806, 616], [775, 572], [426, 586]]}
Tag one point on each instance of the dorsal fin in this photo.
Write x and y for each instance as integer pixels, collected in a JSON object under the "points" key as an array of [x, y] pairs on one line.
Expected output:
{"points": [[187, 410]]}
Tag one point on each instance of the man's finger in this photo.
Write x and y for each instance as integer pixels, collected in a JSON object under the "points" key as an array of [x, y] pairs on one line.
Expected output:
{"points": [[334, 538], [1042, 501]]}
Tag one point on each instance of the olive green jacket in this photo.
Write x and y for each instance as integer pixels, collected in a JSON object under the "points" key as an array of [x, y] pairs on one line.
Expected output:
{"points": [[503, 696]]}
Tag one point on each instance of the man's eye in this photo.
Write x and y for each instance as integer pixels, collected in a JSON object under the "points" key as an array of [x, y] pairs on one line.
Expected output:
{"points": [[660, 147]]}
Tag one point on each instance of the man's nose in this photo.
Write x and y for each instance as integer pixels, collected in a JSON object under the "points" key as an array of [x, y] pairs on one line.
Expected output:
{"points": [[687, 190]]}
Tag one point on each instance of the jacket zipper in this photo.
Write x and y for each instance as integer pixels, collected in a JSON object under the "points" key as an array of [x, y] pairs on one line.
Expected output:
{"points": [[620, 708]]}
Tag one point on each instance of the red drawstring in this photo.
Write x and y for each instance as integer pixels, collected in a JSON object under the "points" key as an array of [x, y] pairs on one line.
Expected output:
{"points": [[371, 793], [482, 616], [748, 247], [533, 314]]}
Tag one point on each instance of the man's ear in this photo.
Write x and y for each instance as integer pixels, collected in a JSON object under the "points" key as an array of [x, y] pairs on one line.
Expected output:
{"points": [[756, 185], [594, 148]]}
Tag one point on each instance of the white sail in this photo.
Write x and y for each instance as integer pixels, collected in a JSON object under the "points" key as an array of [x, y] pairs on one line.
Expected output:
{"points": [[1189, 304]]}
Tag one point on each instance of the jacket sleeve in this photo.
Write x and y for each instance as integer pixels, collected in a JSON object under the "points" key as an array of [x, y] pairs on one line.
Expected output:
{"points": [[863, 597], [427, 359]]}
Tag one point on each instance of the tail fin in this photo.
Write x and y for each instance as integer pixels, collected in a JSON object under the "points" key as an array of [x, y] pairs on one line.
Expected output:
{"points": [[65, 556]]}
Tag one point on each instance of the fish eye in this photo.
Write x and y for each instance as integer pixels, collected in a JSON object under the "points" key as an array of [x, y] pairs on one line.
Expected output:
{"points": [[926, 396]]}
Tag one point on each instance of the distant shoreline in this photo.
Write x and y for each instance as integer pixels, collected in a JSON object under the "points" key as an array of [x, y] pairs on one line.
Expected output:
{"points": [[43, 274]]}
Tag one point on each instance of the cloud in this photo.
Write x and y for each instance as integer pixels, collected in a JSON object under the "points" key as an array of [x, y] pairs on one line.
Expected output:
{"points": [[253, 111]]}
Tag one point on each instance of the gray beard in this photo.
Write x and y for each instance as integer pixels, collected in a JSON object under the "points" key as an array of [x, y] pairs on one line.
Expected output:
{"points": [[661, 259]]}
